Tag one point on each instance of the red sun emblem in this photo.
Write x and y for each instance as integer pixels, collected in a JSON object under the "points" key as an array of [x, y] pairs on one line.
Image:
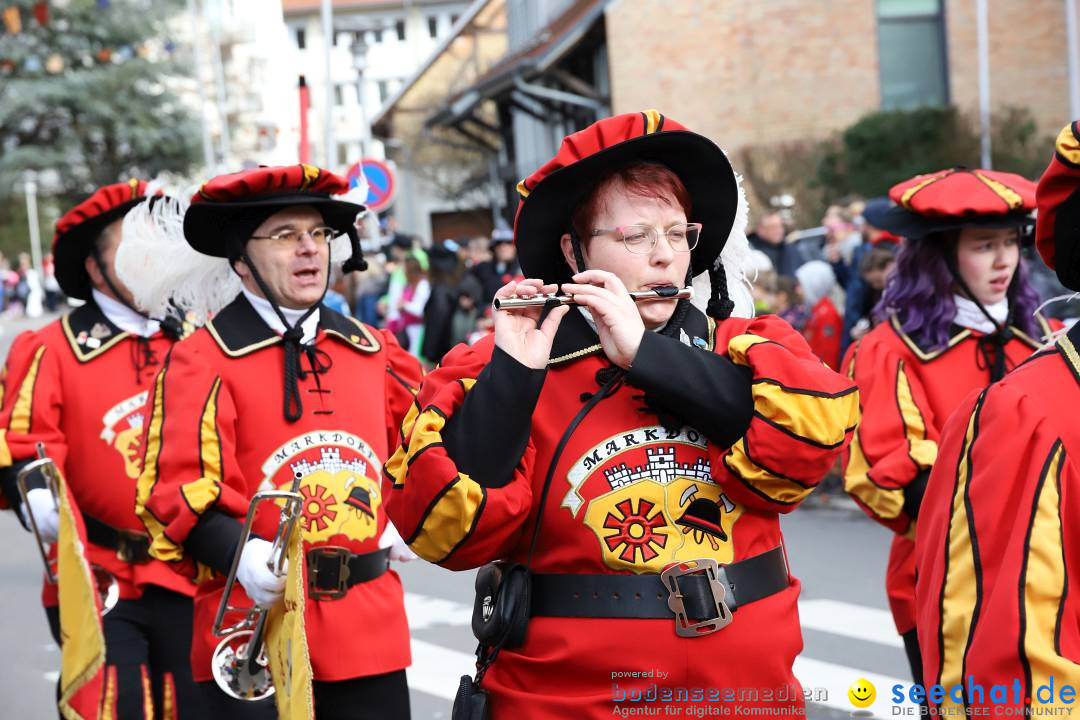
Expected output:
{"points": [[636, 530], [317, 512]]}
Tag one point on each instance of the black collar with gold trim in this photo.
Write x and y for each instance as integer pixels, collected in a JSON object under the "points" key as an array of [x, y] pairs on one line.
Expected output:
{"points": [[959, 334], [239, 330], [89, 332], [576, 339], [1069, 347]]}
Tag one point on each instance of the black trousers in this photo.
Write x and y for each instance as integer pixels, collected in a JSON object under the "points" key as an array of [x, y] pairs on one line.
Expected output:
{"points": [[374, 697], [147, 657], [914, 656]]}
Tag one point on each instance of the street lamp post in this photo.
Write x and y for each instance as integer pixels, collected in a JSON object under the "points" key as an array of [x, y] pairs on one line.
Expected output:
{"points": [[30, 189]]}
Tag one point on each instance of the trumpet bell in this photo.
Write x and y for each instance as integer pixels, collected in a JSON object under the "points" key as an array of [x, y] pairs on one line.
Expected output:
{"points": [[235, 674], [107, 587]]}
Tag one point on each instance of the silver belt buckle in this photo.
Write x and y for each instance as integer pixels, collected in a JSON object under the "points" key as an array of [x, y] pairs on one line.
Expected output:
{"points": [[684, 627]]}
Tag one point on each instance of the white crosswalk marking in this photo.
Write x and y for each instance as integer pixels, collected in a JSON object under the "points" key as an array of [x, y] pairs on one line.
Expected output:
{"points": [[425, 611], [850, 620], [436, 669]]}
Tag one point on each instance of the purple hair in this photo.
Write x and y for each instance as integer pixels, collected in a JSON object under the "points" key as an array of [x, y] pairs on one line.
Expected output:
{"points": [[920, 292]]}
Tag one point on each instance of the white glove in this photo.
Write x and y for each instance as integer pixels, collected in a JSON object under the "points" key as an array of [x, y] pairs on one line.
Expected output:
{"points": [[261, 585], [399, 551], [39, 502]]}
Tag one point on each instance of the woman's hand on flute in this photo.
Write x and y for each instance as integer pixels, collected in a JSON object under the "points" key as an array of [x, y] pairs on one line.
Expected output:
{"points": [[618, 322], [520, 334]]}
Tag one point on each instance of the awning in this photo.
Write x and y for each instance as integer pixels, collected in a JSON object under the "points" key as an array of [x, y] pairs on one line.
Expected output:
{"points": [[511, 75], [477, 41]]}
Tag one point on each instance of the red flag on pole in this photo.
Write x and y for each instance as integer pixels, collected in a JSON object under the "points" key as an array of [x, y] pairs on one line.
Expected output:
{"points": [[305, 105]]}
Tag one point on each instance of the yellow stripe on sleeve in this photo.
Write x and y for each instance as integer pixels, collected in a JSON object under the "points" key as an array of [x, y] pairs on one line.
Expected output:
{"points": [[1043, 580], [960, 590], [24, 401]]}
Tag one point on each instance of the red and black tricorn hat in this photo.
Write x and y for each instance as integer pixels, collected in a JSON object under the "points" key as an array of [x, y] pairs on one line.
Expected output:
{"points": [[80, 226], [228, 208], [1057, 231], [550, 195], [953, 199]]}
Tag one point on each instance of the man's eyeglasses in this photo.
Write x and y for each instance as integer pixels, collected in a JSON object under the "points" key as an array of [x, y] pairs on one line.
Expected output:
{"points": [[320, 236], [641, 239]]}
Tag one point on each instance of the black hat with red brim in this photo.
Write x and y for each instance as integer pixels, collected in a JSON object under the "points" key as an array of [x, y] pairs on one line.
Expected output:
{"points": [[550, 196], [80, 227], [226, 210], [954, 199], [1057, 235]]}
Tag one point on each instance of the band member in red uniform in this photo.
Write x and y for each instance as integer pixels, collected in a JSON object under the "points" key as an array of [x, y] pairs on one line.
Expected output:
{"points": [[956, 314], [79, 386], [995, 550], [227, 421], [605, 444]]}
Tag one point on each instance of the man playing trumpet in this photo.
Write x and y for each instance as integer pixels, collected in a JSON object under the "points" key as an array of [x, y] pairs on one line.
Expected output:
{"points": [[78, 388], [278, 387]]}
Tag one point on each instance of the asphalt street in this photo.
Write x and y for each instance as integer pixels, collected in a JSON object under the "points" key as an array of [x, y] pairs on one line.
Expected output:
{"points": [[838, 554]]}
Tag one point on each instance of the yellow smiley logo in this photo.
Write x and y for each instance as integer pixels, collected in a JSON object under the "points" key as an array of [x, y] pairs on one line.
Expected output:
{"points": [[861, 693]]}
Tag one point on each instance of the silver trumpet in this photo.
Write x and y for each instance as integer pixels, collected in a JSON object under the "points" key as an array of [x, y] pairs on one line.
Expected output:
{"points": [[107, 587], [554, 299], [239, 664]]}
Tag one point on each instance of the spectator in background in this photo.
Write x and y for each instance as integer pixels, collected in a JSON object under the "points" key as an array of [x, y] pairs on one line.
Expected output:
{"points": [[399, 247], [762, 282], [859, 299], [371, 285], [788, 302], [450, 314], [768, 237], [336, 293], [874, 269], [823, 324], [478, 251], [408, 326], [502, 268], [53, 293]]}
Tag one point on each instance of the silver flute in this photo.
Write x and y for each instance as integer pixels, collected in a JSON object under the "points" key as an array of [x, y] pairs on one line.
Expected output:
{"points": [[553, 299]]}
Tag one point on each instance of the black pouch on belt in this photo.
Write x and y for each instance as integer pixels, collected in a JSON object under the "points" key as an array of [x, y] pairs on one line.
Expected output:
{"points": [[470, 703], [501, 608]]}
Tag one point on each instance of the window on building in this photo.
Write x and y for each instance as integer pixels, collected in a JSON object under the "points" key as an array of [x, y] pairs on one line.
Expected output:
{"points": [[339, 95], [399, 27], [342, 154], [384, 91], [433, 26], [911, 50], [376, 35], [453, 19], [301, 38]]}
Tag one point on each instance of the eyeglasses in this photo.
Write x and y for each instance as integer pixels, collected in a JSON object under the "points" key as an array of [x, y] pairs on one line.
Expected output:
{"points": [[641, 239], [320, 236]]}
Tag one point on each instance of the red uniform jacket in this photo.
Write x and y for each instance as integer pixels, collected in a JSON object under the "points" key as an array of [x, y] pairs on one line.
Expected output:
{"points": [[73, 386], [217, 435], [907, 394], [623, 492], [823, 331], [998, 546]]}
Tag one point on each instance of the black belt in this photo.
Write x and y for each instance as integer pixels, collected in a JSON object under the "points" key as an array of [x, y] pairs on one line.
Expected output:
{"points": [[694, 590], [332, 570], [130, 546]]}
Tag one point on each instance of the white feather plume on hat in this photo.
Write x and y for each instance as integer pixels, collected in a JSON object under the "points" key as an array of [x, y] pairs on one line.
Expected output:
{"points": [[157, 264], [737, 258]]}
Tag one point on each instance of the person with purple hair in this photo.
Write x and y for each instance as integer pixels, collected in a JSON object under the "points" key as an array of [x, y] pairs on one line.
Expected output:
{"points": [[957, 313]]}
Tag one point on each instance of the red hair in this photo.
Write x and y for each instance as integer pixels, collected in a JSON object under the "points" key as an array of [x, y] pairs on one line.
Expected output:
{"points": [[641, 179]]}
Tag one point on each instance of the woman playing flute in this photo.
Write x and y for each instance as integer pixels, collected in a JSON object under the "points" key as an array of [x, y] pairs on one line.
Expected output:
{"points": [[631, 458]]}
